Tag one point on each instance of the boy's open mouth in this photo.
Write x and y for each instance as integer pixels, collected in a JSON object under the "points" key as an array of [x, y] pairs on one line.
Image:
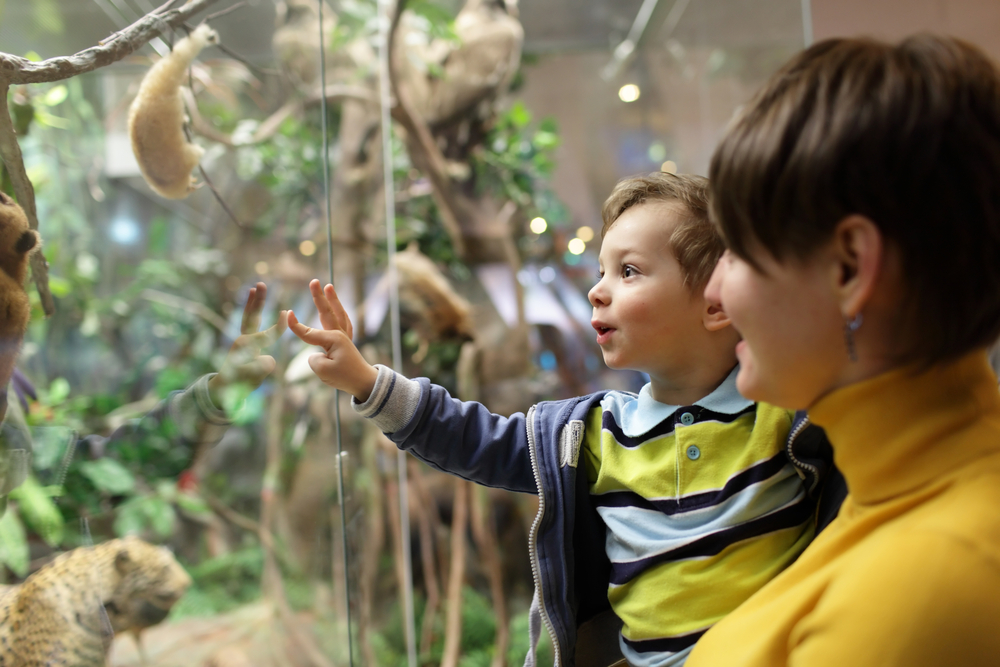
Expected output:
{"points": [[603, 331]]}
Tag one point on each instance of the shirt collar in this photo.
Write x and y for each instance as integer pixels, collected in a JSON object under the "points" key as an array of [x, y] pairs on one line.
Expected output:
{"points": [[639, 415]]}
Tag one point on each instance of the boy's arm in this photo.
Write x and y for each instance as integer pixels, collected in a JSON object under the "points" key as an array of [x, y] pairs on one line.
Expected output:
{"points": [[464, 439], [459, 437]]}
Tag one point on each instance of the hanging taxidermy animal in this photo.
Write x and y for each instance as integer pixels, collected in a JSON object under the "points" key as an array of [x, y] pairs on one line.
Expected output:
{"points": [[17, 243], [156, 120]]}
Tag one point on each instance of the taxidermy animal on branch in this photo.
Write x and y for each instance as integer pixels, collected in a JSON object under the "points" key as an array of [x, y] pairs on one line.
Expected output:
{"points": [[17, 244], [156, 120], [429, 305], [68, 611], [456, 86], [296, 45]]}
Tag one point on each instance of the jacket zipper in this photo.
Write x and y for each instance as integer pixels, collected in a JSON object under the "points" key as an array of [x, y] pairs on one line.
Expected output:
{"points": [[795, 460], [536, 567]]}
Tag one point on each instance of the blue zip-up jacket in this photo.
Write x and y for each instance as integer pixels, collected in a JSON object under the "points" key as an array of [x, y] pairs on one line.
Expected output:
{"points": [[537, 453]]}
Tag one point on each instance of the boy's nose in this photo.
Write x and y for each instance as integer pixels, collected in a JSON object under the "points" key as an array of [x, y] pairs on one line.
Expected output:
{"points": [[597, 296]]}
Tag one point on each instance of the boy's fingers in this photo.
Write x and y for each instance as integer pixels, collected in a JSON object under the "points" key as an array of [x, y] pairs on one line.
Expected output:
{"points": [[332, 314], [327, 317], [312, 336], [338, 310]]}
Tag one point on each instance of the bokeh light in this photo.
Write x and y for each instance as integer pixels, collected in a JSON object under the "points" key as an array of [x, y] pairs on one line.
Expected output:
{"points": [[629, 92]]}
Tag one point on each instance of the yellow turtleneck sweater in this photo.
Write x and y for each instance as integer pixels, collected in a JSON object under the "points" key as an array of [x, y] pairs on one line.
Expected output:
{"points": [[909, 572]]}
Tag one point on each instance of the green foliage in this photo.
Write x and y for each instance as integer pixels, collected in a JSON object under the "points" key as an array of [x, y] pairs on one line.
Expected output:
{"points": [[108, 475], [477, 640], [518, 157], [518, 648], [36, 506], [222, 583], [112, 344], [13, 543]]}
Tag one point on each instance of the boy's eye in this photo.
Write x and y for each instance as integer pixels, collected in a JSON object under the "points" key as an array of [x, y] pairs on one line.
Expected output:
{"points": [[628, 271]]}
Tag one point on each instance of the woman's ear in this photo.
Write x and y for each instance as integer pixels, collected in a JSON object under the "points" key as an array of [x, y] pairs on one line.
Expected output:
{"points": [[858, 249]]}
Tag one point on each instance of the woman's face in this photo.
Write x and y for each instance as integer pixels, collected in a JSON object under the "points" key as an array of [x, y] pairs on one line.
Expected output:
{"points": [[793, 349]]}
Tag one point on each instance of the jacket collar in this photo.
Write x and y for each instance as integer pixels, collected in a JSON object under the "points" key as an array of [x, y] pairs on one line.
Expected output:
{"points": [[897, 432]]}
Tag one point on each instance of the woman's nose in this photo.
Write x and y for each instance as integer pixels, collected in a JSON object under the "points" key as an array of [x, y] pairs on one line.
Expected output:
{"points": [[713, 288]]}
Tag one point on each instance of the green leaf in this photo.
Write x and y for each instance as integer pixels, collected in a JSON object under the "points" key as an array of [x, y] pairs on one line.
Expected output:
{"points": [[39, 510], [45, 118], [193, 505], [60, 286], [50, 444], [109, 475], [161, 515], [58, 391], [519, 115], [13, 543], [140, 513], [56, 95], [545, 140]]}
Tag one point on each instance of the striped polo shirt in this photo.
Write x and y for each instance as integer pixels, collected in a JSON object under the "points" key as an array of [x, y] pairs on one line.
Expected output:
{"points": [[702, 508]]}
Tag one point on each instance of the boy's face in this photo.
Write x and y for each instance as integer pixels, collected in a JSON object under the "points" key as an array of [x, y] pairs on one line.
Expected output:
{"points": [[645, 317]]}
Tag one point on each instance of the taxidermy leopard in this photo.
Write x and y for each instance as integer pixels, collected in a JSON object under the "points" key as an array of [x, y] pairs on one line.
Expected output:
{"points": [[68, 612]]}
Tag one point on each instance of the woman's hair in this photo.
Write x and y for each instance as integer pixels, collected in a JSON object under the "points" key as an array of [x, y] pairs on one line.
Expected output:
{"points": [[695, 242], [907, 135]]}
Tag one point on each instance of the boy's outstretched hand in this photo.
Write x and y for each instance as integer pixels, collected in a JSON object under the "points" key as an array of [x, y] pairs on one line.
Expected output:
{"points": [[342, 365], [245, 364]]}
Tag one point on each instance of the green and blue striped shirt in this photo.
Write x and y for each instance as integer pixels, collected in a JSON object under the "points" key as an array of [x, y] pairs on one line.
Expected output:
{"points": [[702, 508]]}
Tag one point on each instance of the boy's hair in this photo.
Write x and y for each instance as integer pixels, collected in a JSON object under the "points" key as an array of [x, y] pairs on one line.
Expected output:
{"points": [[907, 135], [695, 242]]}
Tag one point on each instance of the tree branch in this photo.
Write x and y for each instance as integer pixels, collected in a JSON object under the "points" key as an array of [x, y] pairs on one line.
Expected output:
{"points": [[427, 153], [15, 70]]}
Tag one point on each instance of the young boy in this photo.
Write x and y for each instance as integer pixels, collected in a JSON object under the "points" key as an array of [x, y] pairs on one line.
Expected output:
{"points": [[673, 505]]}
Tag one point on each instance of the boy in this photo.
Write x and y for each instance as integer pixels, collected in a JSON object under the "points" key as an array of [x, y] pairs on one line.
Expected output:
{"points": [[685, 502]]}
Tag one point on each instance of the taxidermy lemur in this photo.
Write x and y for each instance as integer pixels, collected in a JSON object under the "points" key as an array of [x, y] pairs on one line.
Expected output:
{"points": [[17, 243], [156, 120]]}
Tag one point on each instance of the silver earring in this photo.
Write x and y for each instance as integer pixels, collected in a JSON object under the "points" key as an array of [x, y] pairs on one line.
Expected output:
{"points": [[850, 326]]}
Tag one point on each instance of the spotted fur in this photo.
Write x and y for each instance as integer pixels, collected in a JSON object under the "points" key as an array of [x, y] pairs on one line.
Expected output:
{"points": [[67, 613]]}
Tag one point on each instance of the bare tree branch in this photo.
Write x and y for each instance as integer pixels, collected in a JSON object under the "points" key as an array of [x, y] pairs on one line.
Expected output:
{"points": [[15, 70], [270, 125], [423, 149]]}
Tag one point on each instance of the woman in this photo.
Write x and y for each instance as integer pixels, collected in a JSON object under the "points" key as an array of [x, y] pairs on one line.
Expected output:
{"points": [[859, 196]]}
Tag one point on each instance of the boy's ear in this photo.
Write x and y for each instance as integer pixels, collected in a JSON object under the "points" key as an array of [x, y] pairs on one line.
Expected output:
{"points": [[857, 248], [713, 317]]}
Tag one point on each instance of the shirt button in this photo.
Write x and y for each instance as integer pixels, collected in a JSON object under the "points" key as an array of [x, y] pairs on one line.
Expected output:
{"points": [[687, 418], [693, 453]]}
